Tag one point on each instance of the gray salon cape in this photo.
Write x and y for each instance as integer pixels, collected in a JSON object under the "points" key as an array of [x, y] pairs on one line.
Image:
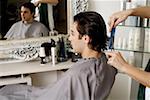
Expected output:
{"points": [[20, 30], [88, 79]]}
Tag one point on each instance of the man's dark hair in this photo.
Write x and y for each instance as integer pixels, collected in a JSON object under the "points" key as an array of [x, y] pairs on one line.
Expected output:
{"points": [[92, 24], [30, 6]]}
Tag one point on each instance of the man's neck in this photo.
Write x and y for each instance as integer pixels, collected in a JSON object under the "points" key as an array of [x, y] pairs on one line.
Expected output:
{"points": [[89, 53], [28, 22]]}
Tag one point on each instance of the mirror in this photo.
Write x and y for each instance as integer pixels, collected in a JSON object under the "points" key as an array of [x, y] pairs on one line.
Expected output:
{"points": [[10, 14], [10, 47]]}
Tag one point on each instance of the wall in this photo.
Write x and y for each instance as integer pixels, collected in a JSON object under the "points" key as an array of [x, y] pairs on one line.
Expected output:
{"points": [[104, 7], [119, 90]]}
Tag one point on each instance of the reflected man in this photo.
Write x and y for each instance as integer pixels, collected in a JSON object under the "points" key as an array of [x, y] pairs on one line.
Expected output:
{"points": [[27, 27]]}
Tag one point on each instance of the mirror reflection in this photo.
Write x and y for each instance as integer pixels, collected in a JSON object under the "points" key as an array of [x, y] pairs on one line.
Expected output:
{"points": [[20, 19]]}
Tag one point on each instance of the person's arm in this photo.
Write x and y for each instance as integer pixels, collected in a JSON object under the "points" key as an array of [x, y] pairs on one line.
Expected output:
{"points": [[46, 1], [121, 16], [116, 60], [141, 11]]}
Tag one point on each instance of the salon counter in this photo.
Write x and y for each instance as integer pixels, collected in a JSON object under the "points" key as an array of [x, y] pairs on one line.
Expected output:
{"points": [[31, 73], [31, 67]]}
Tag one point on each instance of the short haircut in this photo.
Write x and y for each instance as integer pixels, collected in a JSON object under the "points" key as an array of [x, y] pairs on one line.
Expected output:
{"points": [[30, 6], [92, 24]]}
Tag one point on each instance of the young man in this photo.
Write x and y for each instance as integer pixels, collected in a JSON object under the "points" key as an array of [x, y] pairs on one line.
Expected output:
{"points": [[27, 27], [91, 78]]}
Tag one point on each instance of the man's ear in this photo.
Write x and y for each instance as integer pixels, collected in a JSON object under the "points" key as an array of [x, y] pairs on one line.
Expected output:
{"points": [[86, 38]]}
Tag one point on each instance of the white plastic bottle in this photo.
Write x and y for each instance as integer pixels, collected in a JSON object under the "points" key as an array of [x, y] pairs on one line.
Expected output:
{"points": [[145, 22], [124, 43], [122, 7], [119, 43], [116, 43], [146, 41], [131, 39], [42, 55], [131, 59], [53, 55], [137, 40], [149, 23], [149, 40], [131, 20]]}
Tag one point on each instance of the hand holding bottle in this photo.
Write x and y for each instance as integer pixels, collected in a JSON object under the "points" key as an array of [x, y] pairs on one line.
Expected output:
{"points": [[118, 17]]}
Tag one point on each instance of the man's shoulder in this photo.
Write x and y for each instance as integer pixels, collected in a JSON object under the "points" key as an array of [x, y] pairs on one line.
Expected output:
{"points": [[18, 23], [37, 22], [82, 66]]}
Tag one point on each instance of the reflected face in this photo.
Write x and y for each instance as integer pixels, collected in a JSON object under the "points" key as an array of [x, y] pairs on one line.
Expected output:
{"points": [[76, 43], [26, 14]]}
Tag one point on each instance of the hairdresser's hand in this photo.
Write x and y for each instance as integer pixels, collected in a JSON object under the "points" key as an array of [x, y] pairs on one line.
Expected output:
{"points": [[37, 3], [117, 18], [116, 60]]}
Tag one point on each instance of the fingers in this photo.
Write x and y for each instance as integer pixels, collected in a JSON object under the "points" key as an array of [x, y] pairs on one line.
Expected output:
{"points": [[111, 57], [36, 4], [116, 18], [111, 23], [111, 53], [116, 23]]}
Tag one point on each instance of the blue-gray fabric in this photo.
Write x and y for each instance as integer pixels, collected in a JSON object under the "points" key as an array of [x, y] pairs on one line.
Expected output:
{"points": [[20, 30], [88, 79]]}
